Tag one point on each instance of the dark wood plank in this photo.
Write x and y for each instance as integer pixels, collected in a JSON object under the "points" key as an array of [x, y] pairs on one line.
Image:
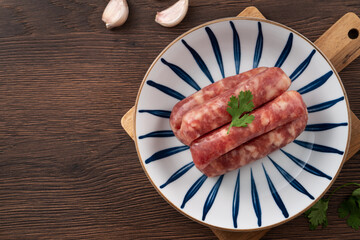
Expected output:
{"points": [[67, 168]]}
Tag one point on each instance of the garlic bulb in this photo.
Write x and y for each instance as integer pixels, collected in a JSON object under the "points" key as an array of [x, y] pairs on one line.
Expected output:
{"points": [[115, 13], [173, 15]]}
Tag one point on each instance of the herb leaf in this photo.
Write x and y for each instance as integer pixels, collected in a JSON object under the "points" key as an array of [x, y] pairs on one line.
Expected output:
{"points": [[356, 193], [317, 214], [239, 105], [350, 209]]}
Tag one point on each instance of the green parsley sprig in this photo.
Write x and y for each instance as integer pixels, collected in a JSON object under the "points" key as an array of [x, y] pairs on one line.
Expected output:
{"points": [[349, 208], [239, 105]]}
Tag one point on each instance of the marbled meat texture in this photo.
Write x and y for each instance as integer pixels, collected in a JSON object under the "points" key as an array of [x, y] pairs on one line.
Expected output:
{"points": [[256, 148], [282, 110], [212, 114], [207, 93]]}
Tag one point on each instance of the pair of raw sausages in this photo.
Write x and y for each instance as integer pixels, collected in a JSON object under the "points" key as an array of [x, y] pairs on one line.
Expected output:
{"points": [[201, 120]]}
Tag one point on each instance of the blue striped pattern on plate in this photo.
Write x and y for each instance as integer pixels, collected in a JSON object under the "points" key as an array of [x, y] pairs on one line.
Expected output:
{"points": [[204, 59]]}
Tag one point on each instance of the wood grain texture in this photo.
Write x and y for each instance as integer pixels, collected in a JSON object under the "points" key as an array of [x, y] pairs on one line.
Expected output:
{"points": [[251, 11], [355, 136], [344, 49], [127, 122], [67, 169]]}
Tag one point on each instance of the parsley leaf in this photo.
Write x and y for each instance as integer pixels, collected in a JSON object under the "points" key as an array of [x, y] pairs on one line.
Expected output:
{"points": [[356, 193], [317, 214], [239, 105], [350, 209]]}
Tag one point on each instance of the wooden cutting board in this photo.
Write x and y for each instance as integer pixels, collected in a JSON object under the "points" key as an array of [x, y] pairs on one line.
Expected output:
{"points": [[341, 44]]}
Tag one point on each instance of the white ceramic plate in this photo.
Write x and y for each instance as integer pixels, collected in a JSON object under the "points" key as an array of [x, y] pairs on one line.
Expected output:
{"points": [[271, 190]]}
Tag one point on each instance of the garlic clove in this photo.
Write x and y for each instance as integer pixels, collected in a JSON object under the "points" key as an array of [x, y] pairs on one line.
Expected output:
{"points": [[173, 15], [115, 13]]}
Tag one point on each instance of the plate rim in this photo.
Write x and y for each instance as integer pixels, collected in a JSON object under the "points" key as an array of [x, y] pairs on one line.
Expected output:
{"points": [[258, 20]]}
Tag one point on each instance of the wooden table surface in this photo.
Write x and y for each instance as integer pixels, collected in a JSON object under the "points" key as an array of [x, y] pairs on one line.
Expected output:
{"points": [[67, 168]]}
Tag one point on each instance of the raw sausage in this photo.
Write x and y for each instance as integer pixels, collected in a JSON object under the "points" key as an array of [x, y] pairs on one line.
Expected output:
{"points": [[212, 114], [284, 109], [256, 148], [207, 93]]}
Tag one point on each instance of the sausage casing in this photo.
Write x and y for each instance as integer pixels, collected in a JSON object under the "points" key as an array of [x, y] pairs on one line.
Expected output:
{"points": [[212, 114], [280, 111]]}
